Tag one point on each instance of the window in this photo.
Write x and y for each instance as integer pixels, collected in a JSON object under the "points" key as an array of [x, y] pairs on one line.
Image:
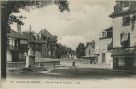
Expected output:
{"points": [[126, 20], [89, 51], [125, 39], [104, 34], [44, 38], [103, 58]]}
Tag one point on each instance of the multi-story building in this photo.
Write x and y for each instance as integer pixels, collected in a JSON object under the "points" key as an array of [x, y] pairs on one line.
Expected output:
{"points": [[103, 46], [48, 43], [33, 44], [16, 46], [124, 35]]}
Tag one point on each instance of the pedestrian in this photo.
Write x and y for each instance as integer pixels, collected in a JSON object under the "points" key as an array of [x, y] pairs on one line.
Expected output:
{"points": [[73, 63]]}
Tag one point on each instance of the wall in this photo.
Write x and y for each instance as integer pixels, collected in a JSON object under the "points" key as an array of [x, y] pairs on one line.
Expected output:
{"points": [[38, 54], [133, 36], [101, 47], [9, 56], [92, 51], [23, 42], [118, 28], [11, 41], [134, 63], [109, 59], [44, 50], [21, 56], [121, 62]]}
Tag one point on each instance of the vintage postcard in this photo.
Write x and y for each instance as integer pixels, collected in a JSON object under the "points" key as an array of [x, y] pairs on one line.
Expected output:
{"points": [[68, 44]]}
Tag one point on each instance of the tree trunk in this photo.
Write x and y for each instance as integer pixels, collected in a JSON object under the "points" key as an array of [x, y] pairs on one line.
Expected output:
{"points": [[4, 23]]}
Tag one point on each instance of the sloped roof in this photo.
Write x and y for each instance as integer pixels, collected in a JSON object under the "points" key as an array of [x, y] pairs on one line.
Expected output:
{"points": [[109, 33], [16, 35], [29, 36], [109, 29], [90, 43], [46, 33]]}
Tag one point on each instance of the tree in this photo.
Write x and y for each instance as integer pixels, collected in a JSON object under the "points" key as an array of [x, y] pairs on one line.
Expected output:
{"points": [[80, 50], [9, 7]]}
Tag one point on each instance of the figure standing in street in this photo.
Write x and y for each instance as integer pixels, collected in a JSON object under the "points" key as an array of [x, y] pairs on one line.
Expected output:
{"points": [[73, 63]]}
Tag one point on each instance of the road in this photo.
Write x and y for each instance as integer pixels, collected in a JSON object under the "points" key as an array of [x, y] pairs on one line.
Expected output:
{"points": [[81, 71], [88, 75]]}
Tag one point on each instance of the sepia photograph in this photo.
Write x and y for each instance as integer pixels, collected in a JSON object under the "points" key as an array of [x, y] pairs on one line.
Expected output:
{"points": [[52, 44]]}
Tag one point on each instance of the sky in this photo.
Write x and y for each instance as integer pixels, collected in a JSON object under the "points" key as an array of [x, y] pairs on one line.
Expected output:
{"points": [[84, 22]]}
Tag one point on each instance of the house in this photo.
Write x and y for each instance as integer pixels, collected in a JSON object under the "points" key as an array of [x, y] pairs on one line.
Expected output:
{"points": [[103, 46], [33, 43], [90, 52], [124, 35], [48, 43], [16, 46]]}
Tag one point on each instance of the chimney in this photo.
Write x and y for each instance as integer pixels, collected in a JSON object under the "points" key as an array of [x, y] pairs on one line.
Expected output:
{"points": [[19, 28]]}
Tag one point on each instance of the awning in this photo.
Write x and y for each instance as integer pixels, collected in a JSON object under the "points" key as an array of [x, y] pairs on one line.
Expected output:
{"points": [[124, 52]]}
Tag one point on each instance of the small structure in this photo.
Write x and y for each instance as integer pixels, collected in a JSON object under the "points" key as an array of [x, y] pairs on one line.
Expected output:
{"points": [[30, 59]]}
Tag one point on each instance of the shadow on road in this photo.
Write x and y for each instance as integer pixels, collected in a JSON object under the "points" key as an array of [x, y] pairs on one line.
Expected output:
{"points": [[74, 73]]}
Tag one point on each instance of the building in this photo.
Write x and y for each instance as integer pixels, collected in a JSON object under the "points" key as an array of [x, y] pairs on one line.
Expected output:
{"points": [[90, 52], [48, 44], [33, 44], [16, 46], [103, 46], [124, 35]]}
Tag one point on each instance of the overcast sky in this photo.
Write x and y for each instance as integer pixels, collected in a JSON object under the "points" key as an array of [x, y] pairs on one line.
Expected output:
{"points": [[84, 22]]}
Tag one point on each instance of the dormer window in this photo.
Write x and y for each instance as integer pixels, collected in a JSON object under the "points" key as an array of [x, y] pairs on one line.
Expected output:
{"points": [[104, 34]]}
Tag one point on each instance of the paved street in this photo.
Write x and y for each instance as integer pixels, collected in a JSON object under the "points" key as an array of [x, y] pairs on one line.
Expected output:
{"points": [[81, 71], [83, 64]]}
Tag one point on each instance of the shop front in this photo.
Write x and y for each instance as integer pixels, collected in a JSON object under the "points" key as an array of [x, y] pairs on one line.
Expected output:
{"points": [[124, 59]]}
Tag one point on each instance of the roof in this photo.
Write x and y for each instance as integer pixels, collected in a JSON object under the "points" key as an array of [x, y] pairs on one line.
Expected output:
{"points": [[123, 51], [120, 13], [109, 29], [46, 33], [16, 35], [29, 36], [90, 43], [109, 33]]}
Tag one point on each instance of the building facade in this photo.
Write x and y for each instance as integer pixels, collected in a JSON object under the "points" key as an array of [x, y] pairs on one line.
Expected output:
{"points": [[102, 48], [16, 47], [48, 44], [124, 35], [90, 52]]}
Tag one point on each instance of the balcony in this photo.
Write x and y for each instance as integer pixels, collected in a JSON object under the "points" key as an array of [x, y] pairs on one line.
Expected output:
{"points": [[19, 48]]}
